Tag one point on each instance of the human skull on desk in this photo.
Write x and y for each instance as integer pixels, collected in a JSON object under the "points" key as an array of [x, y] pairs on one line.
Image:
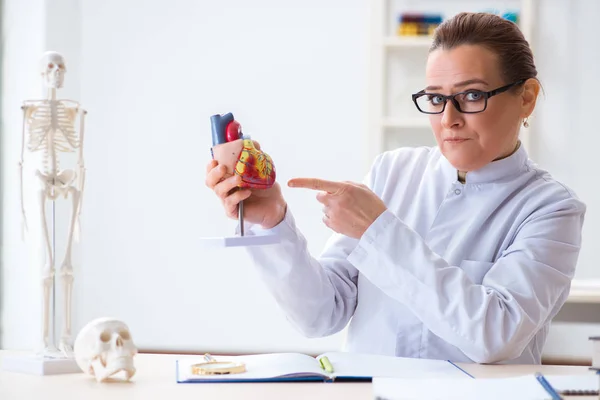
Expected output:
{"points": [[105, 347]]}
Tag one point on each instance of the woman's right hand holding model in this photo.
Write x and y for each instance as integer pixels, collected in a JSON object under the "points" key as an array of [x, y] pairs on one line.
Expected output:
{"points": [[265, 207]]}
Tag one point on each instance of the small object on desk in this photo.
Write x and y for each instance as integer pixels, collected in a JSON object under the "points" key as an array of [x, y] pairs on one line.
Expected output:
{"points": [[326, 364], [230, 147], [104, 348], [214, 367], [547, 387]]}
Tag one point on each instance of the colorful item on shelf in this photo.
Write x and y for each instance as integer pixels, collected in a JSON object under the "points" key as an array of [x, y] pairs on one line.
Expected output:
{"points": [[418, 24], [512, 16]]}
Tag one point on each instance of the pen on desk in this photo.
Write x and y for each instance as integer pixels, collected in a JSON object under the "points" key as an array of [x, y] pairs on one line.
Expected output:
{"points": [[326, 365], [546, 385]]}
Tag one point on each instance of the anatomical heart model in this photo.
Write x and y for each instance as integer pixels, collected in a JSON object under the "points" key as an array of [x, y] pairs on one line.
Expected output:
{"points": [[230, 147], [238, 153]]}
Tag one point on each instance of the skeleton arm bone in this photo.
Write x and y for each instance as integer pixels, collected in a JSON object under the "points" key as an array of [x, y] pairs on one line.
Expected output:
{"points": [[80, 168], [28, 109]]}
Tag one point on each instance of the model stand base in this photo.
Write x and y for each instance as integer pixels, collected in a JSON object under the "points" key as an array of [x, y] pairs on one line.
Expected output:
{"points": [[240, 241], [39, 365]]}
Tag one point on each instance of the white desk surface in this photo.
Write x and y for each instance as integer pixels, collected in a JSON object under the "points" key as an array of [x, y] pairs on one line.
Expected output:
{"points": [[155, 379]]}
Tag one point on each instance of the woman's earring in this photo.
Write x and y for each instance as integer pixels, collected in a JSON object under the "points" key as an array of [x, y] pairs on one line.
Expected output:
{"points": [[526, 122]]}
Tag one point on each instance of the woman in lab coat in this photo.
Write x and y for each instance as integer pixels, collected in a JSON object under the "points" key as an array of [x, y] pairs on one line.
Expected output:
{"points": [[464, 251]]}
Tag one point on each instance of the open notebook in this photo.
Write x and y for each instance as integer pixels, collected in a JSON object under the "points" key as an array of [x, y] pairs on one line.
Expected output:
{"points": [[276, 367], [524, 387]]}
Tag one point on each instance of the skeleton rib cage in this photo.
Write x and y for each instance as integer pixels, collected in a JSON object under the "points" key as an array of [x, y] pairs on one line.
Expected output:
{"points": [[52, 132]]}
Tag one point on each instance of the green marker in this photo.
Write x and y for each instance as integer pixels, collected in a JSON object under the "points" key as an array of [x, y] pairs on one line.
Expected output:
{"points": [[326, 365]]}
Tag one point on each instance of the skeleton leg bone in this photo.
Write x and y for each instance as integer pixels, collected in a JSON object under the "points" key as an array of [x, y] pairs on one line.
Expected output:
{"points": [[66, 274], [47, 275]]}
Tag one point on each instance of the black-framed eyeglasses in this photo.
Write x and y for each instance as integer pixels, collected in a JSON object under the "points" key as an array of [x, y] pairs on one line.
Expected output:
{"points": [[471, 101]]}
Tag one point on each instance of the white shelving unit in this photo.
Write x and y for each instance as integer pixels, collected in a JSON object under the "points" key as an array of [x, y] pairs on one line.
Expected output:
{"points": [[399, 42], [398, 69]]}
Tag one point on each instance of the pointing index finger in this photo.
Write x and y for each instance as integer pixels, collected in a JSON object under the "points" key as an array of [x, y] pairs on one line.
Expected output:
{"points": [[315, 184]]}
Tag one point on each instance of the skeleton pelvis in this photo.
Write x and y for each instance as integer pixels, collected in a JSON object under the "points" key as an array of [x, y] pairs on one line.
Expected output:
{"points": [[63, 179], [242, 158]]}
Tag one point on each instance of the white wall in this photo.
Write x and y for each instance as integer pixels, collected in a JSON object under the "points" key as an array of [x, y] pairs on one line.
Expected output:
{"points": [[150, 76], [23, 24], [565, 131], [565, 140]]}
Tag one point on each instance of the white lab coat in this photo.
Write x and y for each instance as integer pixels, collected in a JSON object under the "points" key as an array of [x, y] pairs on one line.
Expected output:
{"points": [[468, 272]]}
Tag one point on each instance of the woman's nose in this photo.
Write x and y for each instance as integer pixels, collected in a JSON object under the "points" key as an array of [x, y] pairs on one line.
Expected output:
{"points": [[451, 118]]}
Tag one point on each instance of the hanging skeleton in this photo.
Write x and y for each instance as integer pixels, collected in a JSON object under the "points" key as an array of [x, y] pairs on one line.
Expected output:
{"points": [[49, 131]]}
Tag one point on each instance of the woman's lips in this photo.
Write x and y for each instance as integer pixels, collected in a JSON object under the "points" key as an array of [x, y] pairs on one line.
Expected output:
{"points": [[456, 140]]}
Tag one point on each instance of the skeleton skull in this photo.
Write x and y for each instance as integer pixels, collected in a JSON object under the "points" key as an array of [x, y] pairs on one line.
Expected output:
{"points": [[53, 69], [104, 347]]}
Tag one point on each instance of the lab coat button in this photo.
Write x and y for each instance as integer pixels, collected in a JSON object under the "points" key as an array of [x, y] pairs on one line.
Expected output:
{"points": [[457, 192]]}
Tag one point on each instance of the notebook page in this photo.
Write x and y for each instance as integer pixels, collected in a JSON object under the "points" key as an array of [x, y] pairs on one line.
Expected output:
{"points": [[369, 365], [515, 388], [585, 382], [259, 366], [520, 388]]}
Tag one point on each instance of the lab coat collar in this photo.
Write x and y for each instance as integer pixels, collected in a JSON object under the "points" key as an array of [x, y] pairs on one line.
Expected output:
{"points": [[496, 170]]}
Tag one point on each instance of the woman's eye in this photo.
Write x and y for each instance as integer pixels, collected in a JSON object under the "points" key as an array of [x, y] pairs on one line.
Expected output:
{"points": [[474, 96], [435, 100]]}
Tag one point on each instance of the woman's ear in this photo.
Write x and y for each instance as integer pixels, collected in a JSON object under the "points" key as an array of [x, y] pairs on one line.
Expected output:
{"points": [[531, 89]]}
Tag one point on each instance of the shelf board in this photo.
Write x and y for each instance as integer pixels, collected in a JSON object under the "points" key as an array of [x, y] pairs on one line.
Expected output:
{"points": [[394, 42], [405, 123], [584, 291]]}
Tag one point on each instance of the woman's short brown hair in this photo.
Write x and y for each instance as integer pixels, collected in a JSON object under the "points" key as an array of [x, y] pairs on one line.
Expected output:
{"points": [[501, 36]]}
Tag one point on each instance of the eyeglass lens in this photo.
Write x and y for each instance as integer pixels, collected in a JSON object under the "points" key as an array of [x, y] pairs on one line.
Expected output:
{"points": [[472, 101]]}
